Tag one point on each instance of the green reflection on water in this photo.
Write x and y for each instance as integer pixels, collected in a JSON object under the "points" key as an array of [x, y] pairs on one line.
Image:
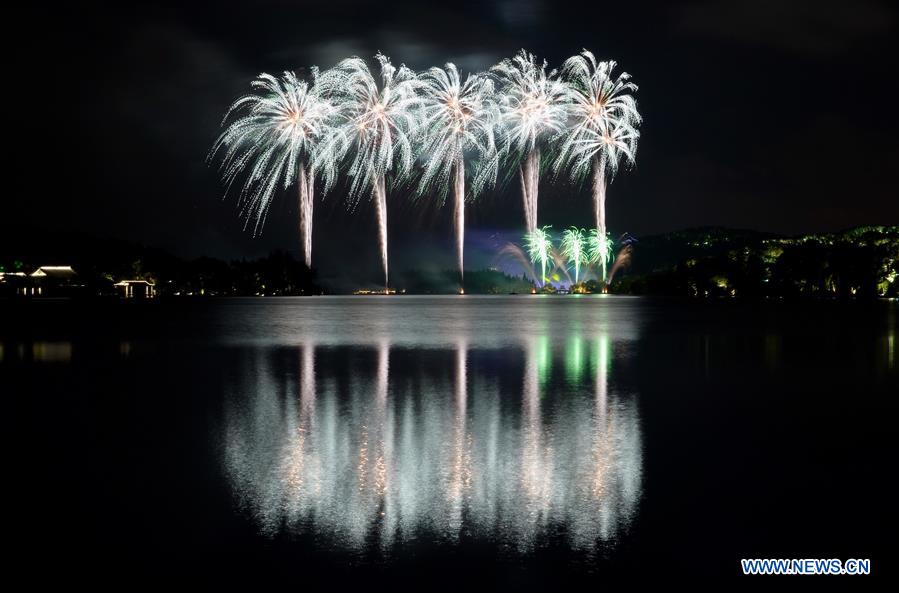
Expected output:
{"points": [[574, 359], [891, 350], [544, 359], [601, 351]]}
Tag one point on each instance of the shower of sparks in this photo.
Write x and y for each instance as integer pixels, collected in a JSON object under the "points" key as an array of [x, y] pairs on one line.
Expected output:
{"points": [[533, 107], [380, 125], [539, 245], [574, 248], [276, 142], [599, 250], [458, 119], [375, 127], [602, 129]]}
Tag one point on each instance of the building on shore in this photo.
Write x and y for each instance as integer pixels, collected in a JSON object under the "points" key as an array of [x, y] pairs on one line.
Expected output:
{"points": [[13, 283], [140, 289], [46, 281], [51, 281]]}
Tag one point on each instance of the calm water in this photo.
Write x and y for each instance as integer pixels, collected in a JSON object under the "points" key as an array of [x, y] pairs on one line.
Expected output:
{"points": [[439, 442]]}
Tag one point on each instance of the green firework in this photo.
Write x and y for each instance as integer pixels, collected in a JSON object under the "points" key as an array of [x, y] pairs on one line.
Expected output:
{"points": [[539, 244], [574, 248], [600, 250]]}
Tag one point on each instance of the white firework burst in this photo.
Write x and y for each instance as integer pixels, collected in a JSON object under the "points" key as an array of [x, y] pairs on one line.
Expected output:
{"points": [[458, 119], [602, 128], [379, 126], [533, 106], [274, 144]]}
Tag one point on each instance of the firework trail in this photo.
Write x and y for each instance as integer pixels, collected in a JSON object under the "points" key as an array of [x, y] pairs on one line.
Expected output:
{"points": [[533, 108], [459, 218], [515, 252], [622, 261], [276, 142], [602, 128], [560, 263], [458, 121], [539, 246], [574, 248], [379, 126]]}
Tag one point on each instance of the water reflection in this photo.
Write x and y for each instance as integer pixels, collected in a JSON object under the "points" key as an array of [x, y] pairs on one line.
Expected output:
{"points": [[51, 351], [384, 444], [891, 338], [41, 351]]}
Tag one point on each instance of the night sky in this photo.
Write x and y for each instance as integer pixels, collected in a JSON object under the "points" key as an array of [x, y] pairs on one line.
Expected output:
{"points": [[760, 114]]}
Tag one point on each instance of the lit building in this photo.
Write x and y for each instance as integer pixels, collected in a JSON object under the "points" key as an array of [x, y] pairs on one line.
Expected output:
{"points": [[13, 283], [51, 281], [141, 289]]}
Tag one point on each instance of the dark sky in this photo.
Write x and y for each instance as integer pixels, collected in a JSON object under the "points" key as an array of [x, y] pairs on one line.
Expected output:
{"points": [[762, 114]]}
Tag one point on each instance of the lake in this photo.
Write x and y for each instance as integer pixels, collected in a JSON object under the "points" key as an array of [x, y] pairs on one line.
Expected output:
{"points": [[524, 442]]}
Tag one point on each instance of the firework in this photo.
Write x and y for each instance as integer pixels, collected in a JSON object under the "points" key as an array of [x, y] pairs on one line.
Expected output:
{"points": [[623, 260], [290, 130], [602, 128], [533, 108], [458, 121], [574, 249], [513, 251], [379, 126], [275, 143], [539, 245], [599, 250], [561, 264]]}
